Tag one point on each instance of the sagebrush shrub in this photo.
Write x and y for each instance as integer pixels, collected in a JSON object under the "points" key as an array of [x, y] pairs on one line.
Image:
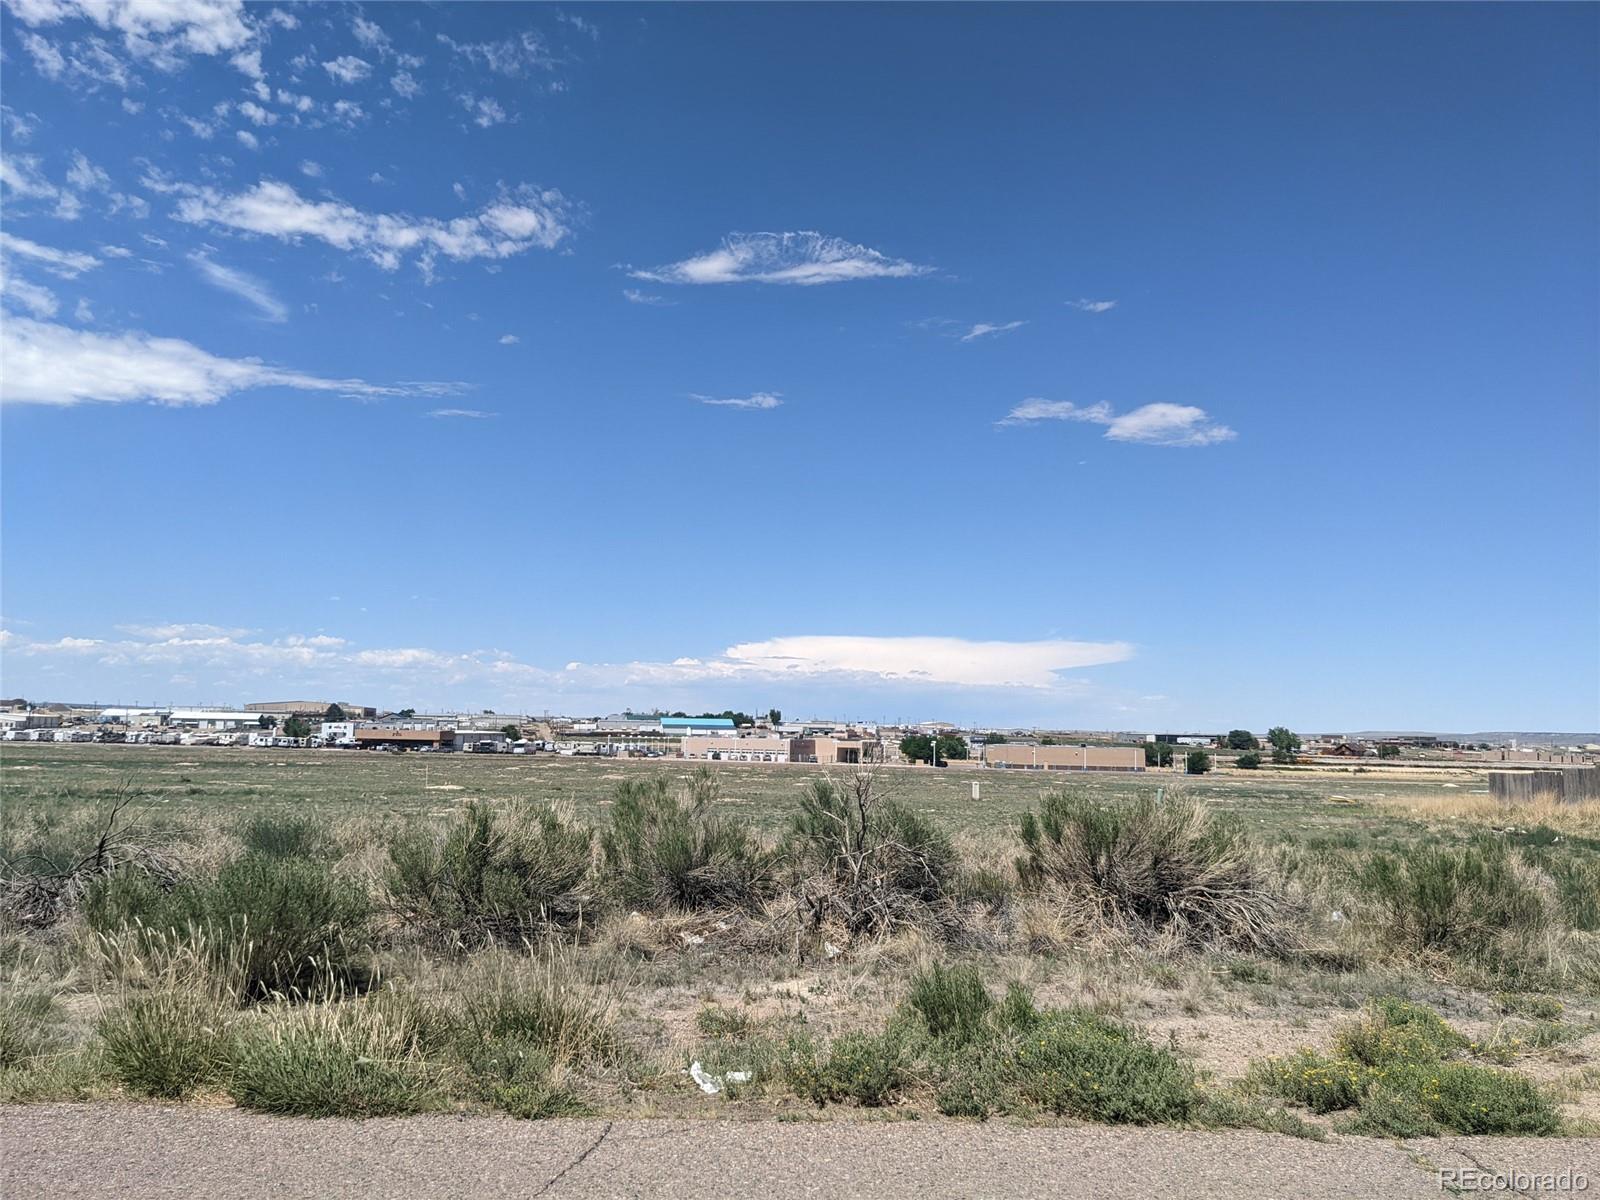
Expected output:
{"points": [[490, 875], [952, 1001], [1454, 899], [544, 1003], [1158, 868], [1084, 1065], [285, 835], [667, 848]]}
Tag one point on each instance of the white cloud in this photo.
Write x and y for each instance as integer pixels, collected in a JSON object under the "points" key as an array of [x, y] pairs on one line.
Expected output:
{"points": [[247, 287], [405, 84], [21, 177], [248, 139], [509, 339], [982, 330], [1151, 424], [510, 56], [370, 34], [347, 68], [861, 664], [468, 413], [68, 264], [635, 296], [257, 115], [310, 169], [43, 363], [756, 400], [484, 111], [803, 258], [348, 112], [83, 311], [18, 292], [1092, 306], [85, 65], [519, 220], [158, 32]]}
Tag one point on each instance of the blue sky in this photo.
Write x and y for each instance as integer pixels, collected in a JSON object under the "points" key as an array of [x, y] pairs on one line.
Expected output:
{"points": [[1125, 367]]}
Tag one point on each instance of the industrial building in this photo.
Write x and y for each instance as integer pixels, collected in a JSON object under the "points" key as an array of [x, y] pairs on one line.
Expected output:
{"points": [[688, 726], [209, 718], [825, 751], [1065, 758], [310, 708], [405, 739]]}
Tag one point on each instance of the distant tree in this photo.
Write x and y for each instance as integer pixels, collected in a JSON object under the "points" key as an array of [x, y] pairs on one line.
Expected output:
{"points": [[1284, 743], [1388, 750], [1198, 762], [994, 739], [334, 713], [265, 721], [1242, 739], [1157, 754], [1248, 761], [405, 714], [297, 727], [511, 731], [774, 716], [917, 747], [1047, 741], [953, 746]]}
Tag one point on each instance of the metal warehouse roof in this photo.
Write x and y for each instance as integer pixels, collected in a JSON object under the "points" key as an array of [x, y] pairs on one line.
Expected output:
{"points": [[697, 722]]}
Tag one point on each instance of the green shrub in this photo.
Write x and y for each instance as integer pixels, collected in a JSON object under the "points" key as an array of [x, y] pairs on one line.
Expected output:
{"points": [[279, 835], [1396, 1031], [1248, 761], [1469, 1099], [1392, 1112], [278, 925], [952, 1001], [490, 876], [28, 1022], [166, 1043], [728, 1024], [866, 1068], [1319, 1083], [352, 1058], [1454, 900], [668, 849], [1081, 1064], [1160, 868]]}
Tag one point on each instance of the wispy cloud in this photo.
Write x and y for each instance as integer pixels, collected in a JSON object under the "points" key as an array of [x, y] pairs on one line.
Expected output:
{"points": [[467, 413], [982, 330], [518, 220], [756, 400], [485, 111], [1151, 424], [46, 363], [347, 68], [67, 264], [805, 258], [246, 286], [635, 296], [509, 339], [1092, 306]]}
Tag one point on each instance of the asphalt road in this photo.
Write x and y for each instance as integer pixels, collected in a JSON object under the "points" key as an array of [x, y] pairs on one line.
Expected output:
{"points": [[125, 1150]]}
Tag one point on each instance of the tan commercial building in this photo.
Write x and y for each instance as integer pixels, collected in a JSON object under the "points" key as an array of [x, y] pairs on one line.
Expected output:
{"points": [[1065, 758], [405, 739], [825, 751]]}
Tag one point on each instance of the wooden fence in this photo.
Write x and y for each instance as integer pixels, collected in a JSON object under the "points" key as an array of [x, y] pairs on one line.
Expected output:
{"points": [[1554, 785]]}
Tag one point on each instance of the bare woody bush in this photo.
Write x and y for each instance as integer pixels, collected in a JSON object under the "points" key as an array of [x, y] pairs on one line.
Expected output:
{"points": [[1162, 871], [868, 864]]}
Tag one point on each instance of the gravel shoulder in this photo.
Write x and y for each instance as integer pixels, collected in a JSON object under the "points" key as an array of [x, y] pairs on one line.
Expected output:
{"points": [[98, 1150]]}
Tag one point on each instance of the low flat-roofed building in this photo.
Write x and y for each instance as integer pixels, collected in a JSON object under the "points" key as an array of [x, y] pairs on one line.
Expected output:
{"points": [[310, 708], [211, 718], [405, 739], [1065, 758], [29, 720], [831, 751], [737, 749], [692, 725]]}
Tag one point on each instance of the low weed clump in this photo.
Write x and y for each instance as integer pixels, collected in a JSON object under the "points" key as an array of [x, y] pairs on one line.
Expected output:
{"points": [[283, 926], [1398, 1073], [343, 1057], [543, 1002], [28, 1021], [281, 835], [491, 875], [518, 1077], [167, 1043], [667, 849], [1162, 870]]}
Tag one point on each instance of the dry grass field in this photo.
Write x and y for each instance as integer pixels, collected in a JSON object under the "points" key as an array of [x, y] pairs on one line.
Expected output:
{"points": [[1314, 953]]}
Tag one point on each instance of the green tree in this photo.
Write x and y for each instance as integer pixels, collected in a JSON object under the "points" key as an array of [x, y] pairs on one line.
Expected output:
{"points": [[1248, 761], [953, 746], [511, 731], [297, 727], [994, 739], [774, 716], [916, 747], [405, 714], [1284, 743], [1047, 741], [1198, 762], [1242, 739], [265, 721], [1157, 754], [1388, 750], [334, 713]]}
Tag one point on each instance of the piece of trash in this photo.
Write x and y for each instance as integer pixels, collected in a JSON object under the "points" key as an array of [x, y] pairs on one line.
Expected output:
{"points": [[1337, 915], [830, 950], [712, 1084], [723, 926], [692, 939]]}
